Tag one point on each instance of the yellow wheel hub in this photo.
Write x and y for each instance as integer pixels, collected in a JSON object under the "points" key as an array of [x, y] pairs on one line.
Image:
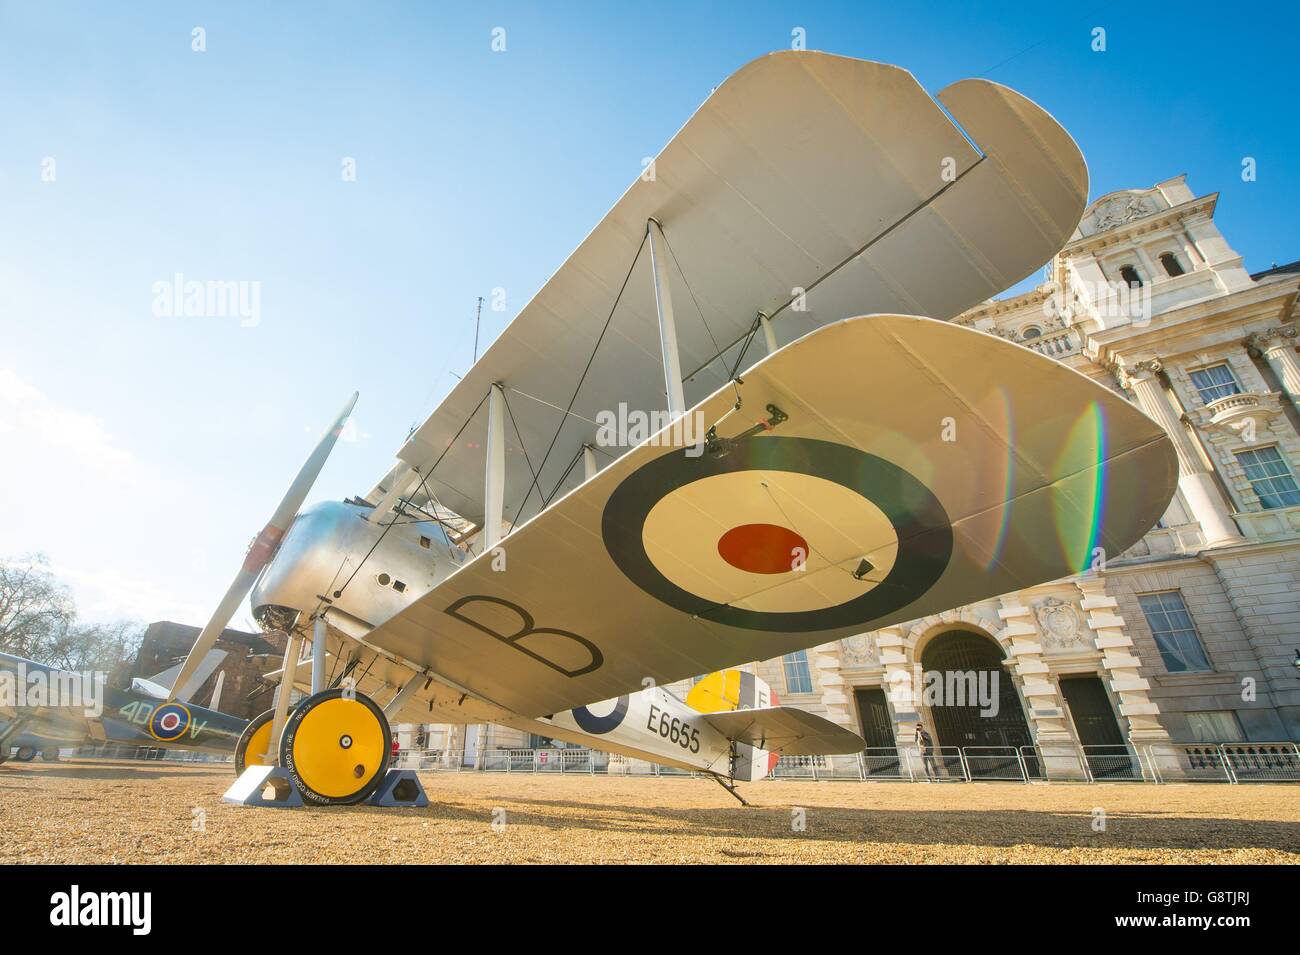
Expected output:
{"points": [[338, 747], [258, 744], [254, 742]]}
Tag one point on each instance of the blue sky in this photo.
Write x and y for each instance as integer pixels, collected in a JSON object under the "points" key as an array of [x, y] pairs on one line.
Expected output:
{"points": [[142, 453]]}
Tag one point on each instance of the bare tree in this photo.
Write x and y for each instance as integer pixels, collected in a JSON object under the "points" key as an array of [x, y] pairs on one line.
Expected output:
{"points": [[103, 647], [33, 606], [38, 620]]}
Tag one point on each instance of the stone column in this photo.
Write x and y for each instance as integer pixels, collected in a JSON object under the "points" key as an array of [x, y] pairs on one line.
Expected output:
{"points": [[1121, 662], [901, 690], [1045, 713], [1025, 653], [1194, 479], [1277, 345], [826, 663]]}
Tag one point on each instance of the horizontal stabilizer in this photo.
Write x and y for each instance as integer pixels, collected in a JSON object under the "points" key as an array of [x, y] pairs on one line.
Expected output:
{"points": [[786, 730]]}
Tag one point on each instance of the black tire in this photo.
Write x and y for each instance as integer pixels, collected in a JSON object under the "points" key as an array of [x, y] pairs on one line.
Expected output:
{"points": [[300, 721], [25, 754], [241, 747]]}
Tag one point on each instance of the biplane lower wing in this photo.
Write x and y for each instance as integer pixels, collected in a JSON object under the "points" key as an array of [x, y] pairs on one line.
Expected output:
{"points": [[919, 466]]}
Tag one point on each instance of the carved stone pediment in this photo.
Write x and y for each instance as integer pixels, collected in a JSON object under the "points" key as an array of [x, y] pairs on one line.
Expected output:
{"points": [[1062, 626], [1121, 210], [858, 651]]}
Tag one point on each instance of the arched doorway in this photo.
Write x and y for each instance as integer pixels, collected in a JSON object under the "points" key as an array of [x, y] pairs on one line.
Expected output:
{"points": [[973, 701]]}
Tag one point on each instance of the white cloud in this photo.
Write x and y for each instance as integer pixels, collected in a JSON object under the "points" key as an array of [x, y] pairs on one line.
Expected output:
{"points": [[101, 514]]}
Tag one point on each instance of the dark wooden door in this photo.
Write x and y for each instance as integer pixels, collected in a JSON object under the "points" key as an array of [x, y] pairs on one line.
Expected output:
{"points": [[1094, 720], [881, 757], [1097, 728]]}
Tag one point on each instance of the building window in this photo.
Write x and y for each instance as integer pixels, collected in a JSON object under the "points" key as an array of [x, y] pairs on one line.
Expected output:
{"points": [[1175, 634], [798, 679], [1033, 331], [1171, 264], [1215, 382], [1130, 276], [1273, 482], [1215, 726]]}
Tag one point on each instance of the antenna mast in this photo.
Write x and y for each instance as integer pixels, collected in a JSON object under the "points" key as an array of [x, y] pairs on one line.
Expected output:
{"points": [[478, 314]]}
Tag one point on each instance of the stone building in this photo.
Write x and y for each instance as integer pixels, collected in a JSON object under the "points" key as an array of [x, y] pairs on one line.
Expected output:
{"points": [[1194, 633], [244, 693]]}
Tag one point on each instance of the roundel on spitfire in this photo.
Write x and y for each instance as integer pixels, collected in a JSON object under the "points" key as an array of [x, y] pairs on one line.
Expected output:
{"points": [[783, 534], [168, 722]]}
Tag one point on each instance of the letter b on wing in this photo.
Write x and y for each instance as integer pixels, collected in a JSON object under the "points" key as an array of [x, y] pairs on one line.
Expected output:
{"points": [[561, 650]]}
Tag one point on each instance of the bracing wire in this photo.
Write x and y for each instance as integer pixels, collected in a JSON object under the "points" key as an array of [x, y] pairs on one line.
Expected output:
{"points": [[585, 371], [389, 525]]}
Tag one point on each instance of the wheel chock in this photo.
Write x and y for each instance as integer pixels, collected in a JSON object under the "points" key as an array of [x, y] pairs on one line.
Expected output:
{"points": [[268, 786], [400, 787]]}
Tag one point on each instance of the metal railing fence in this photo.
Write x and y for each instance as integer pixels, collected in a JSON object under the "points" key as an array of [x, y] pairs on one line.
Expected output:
{"points": [[1226, 762]]}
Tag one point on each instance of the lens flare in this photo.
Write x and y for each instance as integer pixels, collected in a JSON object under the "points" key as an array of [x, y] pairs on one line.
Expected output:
{"points": [[1079, 501], [999, 473]]}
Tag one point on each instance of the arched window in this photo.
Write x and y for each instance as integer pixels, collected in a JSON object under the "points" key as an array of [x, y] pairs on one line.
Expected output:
{"points": [[1130, 276], [1171, 264], [1033, 331]]}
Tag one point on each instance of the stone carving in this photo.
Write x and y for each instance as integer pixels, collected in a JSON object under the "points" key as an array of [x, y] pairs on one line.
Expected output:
{"points": [[1283, 336], [1137, 371], [857, 651], [1061, 625], [1120, 210]]}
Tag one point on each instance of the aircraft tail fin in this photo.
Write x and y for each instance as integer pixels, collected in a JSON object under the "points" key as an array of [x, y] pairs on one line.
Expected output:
{"points": [[159, 686], [743, 708], [726, 691]]}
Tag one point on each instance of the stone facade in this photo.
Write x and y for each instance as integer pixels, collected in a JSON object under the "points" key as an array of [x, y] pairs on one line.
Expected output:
{"points": [[1231, 557], [1149, 300], [244, 692]]}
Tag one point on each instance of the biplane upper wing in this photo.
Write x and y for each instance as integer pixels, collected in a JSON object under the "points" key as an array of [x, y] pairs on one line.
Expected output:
{"points": [[923, 466], [802, 172]]}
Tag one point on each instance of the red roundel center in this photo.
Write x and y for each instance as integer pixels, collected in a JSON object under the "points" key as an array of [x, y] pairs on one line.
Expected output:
{"points": [[763, 548]]}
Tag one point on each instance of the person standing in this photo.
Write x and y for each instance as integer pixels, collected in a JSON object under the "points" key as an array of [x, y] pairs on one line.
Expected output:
{"points": [[926, 745]]}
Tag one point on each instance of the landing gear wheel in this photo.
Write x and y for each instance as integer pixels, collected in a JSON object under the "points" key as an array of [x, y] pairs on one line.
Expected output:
{"points": [[335, 747], [25, 754], [50, 754], [254, 742]]}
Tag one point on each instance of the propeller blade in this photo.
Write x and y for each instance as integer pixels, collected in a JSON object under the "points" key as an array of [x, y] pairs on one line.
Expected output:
{"points": [[263, 547]]}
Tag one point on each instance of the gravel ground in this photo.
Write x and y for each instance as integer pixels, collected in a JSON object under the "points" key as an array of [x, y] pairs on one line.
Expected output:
{"points": [[101, 811]]}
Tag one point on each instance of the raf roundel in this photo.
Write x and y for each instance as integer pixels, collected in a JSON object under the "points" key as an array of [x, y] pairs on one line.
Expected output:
{"points": [[168, 722], [780, 534]]}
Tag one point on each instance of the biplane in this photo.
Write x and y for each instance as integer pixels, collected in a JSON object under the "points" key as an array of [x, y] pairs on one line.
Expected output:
{"points": [[826, 453]]}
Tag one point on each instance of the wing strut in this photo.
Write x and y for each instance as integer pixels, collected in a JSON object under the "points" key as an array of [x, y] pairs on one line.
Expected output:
{"points": [[667, 327]]}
